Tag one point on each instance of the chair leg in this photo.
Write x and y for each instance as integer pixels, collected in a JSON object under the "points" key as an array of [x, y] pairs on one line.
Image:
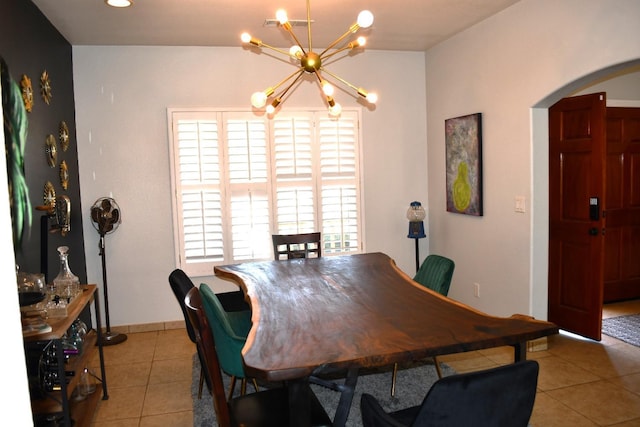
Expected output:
{"points": [[255, 384], [393, 379], [435, 362], [201, 383], [243, 387], [395, 374], [232, 387]]}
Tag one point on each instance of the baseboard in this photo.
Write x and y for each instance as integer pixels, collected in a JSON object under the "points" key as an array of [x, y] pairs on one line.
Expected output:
{"points": [[149, 327], [539, 344]]}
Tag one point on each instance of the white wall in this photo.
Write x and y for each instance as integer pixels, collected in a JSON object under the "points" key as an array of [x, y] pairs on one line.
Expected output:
{"points": [[530, 55], [122, 94]]}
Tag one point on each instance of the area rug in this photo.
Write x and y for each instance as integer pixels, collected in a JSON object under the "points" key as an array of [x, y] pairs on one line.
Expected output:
{"points": [[625, 328], [412, 384]]}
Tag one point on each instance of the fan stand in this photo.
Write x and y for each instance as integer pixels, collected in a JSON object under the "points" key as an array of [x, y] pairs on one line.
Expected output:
{"points": [[108, 338]]}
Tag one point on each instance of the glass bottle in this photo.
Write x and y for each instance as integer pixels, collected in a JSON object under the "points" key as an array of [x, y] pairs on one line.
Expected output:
{"points": [[87, 383], [66, 283]]}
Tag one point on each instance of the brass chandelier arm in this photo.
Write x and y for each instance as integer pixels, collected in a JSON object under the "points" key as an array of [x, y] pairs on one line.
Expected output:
{"points": [[272, 89], [287, 27], [284, 92], [335, 76], [350, 46], [360, 91], [352, 29], [259, 43]]}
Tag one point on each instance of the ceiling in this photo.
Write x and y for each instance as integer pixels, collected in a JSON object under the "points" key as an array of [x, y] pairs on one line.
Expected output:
{"points": [[409, 25]]}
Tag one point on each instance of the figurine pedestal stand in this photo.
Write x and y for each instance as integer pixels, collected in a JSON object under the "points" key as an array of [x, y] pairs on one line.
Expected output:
{"points": [[416, 232]]}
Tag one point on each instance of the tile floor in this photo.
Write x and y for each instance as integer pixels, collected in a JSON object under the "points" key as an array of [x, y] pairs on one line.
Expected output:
{"points": [[581, 383]]}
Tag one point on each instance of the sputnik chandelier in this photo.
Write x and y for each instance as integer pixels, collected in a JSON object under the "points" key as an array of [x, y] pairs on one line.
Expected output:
{"points": [[311, 62]]}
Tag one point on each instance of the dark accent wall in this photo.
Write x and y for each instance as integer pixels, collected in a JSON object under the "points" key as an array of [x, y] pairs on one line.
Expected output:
{"points": [[30, 45]]}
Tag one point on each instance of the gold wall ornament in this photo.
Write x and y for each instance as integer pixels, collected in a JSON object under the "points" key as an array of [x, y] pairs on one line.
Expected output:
{"points": [[45, 87], [27, 92], [49, 196], [63, 214], [64, 175], [52, 151], [63, 134]]}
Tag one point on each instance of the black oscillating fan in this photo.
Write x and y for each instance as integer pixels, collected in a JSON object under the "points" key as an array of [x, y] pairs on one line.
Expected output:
{"points": [[105, 215]]}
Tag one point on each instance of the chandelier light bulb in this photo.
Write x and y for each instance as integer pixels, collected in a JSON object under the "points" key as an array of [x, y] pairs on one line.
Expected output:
{"points": [[372, 97], [245, 37], [258, 99], [362, 41], [270, 109], [335, 110], [295, 51], [281, 16], [327, 88], [365, 19]]}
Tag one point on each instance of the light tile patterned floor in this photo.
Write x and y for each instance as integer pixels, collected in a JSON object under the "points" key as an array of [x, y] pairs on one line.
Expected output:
{"points": [[582, 383]]}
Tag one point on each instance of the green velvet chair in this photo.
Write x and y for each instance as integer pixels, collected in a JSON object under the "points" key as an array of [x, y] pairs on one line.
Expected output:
{"points": [[230, 330], [435, 273]]}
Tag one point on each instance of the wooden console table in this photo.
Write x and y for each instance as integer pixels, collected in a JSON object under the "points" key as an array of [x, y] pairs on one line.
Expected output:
{"points": [[58, 401]]}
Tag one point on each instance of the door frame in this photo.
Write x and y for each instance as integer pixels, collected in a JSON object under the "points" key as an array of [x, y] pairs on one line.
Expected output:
{"points": [[539, 117]]}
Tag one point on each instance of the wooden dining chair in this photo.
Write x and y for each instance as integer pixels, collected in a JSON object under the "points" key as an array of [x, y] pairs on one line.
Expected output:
{"points": [[268, 407], [309, 245], [290, 246], [497, 397], [435, 273], [181, 284], [232, 302]]}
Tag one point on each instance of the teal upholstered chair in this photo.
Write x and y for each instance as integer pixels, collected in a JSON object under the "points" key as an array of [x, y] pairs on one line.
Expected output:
{"points": [[435, 273], [230, 330]]}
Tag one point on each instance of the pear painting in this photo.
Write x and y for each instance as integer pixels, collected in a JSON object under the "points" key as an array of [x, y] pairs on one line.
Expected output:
{"points": [[463, 137]]}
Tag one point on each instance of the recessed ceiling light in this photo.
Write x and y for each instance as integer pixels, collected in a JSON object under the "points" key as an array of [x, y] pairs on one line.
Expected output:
{"points": [[119, 3]]}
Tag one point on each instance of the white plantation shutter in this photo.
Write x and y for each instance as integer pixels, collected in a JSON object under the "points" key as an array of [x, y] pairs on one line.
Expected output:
{"points": [[198, 160], [339, 177], [248, 179], [238, 178], [295, 199]]}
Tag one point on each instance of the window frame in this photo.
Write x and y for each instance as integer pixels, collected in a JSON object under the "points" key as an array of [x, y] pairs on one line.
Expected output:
{"points": [[205, 268]]}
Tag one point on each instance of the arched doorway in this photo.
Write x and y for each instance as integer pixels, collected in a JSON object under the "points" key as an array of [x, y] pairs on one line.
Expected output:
{"points": [[540, 179]]}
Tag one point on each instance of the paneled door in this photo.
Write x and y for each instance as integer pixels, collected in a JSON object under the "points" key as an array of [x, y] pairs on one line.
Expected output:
{"points": [[622, 240], [576, 219]]}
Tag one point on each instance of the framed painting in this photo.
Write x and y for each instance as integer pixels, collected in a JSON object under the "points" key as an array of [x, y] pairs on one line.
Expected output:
{"points": [[463, 139]]}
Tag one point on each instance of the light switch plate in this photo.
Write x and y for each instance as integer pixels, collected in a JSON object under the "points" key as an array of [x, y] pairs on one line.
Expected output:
{"points": [[520, 204]]}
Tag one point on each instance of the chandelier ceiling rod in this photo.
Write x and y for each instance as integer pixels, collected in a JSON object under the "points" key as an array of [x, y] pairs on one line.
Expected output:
{"points": [[310, 62]]}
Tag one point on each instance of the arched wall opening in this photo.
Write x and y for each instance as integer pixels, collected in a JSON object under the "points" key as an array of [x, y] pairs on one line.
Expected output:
{"points": [[540, 178]]}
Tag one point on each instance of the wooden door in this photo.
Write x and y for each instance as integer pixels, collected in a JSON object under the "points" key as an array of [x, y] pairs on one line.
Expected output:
{"points": [[576, 224], [622, 240]]}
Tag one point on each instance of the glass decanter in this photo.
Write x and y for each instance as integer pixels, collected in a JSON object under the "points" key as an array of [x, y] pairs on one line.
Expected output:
{"points": [[66, 283]]}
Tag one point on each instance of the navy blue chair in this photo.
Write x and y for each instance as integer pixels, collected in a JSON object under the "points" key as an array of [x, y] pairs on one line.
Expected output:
{"points": [[497, 397]]}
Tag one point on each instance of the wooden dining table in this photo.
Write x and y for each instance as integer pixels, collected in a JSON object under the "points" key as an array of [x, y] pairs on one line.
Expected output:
{"points": [[318, 315]]}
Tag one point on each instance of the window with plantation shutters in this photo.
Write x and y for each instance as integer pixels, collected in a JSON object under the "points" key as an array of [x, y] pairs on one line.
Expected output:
{"points": [[238, 178]]}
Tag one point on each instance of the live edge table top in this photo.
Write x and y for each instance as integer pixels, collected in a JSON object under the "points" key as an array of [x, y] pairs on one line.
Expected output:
{"points": [[311, 315]]}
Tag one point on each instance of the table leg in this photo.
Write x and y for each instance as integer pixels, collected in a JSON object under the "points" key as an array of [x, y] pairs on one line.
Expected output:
{"points": [[299, 402], [346, 398], [520, 351]]}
